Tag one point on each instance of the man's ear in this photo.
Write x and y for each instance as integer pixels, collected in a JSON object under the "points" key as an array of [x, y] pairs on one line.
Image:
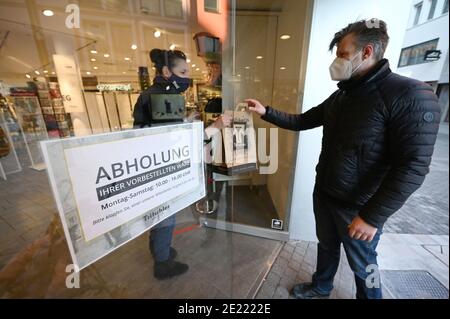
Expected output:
{"points": [[165, 72], [368, 51]]}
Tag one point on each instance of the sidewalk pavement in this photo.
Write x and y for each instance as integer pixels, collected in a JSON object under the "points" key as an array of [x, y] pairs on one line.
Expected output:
{"points": [[297, 261]]}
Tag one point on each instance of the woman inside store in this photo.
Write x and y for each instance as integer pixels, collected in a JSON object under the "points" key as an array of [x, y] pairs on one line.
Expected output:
{"points": [[172, 77]]}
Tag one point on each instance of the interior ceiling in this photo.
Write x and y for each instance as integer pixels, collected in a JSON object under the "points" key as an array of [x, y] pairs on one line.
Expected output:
{"points": [[18, 51], [108, 23], [105, 27]]}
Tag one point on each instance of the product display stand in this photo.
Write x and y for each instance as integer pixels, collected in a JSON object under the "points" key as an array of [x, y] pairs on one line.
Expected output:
{"points": [[207, 205], [2, 171], [13, 155], [32, 125]]}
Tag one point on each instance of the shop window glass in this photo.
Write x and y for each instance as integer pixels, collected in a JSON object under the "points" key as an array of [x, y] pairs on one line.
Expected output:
{"points": [[416, 54]]}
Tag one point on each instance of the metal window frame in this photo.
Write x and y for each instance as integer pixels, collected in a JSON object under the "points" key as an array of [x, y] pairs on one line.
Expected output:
{"points": [[432, 11], [418, 7]]}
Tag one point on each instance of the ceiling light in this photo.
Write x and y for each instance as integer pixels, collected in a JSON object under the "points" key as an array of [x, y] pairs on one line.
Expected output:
{"points": [[197, 69], [157, 33], [285, 37], [94, 51], [48, 13], [193, 65], [37, 72], [133, 47], [45, 71], [172, 46], [95, 67], [88, 73], [126, 58], [259, 57], [106, 55], [28, 76], [188, 60], [283, 68], [247, 67], [93, 60]]}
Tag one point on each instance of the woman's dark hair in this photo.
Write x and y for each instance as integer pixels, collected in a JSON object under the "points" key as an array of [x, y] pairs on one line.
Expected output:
{"points": [[161, 58]]}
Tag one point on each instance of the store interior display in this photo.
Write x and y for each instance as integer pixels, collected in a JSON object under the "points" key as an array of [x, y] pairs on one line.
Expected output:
{"points": [[5, 146], [63, 120], [10, 135], [124, 108], [46, 107], [31, 120], [110, 110]]}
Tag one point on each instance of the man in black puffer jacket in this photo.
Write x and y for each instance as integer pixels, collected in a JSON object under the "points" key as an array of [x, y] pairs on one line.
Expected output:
{"points": [[379, 131]]}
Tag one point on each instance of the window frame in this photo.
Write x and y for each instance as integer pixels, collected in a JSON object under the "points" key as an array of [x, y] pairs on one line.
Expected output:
{"points": [[445, 7], [418, 12], [432, 11], [211, 9], [411, 47]]}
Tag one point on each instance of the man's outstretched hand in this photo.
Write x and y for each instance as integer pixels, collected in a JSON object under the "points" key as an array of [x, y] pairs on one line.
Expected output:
{"points": [[361, 230], [256, 106]]}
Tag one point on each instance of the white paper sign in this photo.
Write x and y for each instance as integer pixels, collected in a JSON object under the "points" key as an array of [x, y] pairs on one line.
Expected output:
{"points": [[117, 181], [110, 188]]}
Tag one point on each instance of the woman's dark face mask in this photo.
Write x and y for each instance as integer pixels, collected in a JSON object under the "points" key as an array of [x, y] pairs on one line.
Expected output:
{"points": [[180, 76], [180, 84]]}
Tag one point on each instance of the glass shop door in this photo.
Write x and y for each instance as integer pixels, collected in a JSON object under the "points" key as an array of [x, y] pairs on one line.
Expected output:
{"points": [[261, 60]]}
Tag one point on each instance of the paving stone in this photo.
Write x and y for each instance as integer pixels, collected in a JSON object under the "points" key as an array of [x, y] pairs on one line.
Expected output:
{"points": [[281, 293], [288, 248]]}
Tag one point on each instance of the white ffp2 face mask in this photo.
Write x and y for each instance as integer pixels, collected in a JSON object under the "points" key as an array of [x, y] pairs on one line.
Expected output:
{"points": [[342, 69]]}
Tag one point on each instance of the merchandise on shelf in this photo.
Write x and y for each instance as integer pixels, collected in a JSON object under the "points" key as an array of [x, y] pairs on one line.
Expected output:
{"points": [[58, 122]]}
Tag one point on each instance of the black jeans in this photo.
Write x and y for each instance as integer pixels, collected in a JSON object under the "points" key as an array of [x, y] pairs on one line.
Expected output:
{"points": [[332, 220]]}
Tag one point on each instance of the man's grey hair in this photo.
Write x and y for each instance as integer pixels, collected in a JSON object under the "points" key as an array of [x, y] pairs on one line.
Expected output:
{"points": [[366, 32]]}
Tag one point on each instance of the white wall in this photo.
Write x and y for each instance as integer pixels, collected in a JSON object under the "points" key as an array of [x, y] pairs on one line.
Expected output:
{"points": [[427, 30], [329, 16]]}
